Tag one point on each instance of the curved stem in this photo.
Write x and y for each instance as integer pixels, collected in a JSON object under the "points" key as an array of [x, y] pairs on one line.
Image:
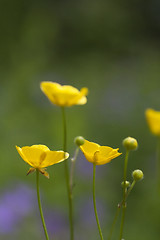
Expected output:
{"points": [[94, 202], [130, 189], [67, 175], [40, 207], [124, 195]]}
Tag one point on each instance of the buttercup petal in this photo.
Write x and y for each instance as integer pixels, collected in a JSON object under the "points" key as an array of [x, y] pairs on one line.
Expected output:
{"points": [[34, 155], [40, 156], [105, 151], [81, 99], [41, 147], [98, 154], [89, 156], [106, 154], [63, 95], [53, 157], [88, 149], [50, 89], [23, 156], [67, 96], [153, 120]]}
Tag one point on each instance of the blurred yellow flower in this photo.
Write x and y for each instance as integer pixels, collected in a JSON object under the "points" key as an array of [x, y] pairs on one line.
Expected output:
{"points": [[64, 96], [153, 120], [98, 154], [40, 157]]}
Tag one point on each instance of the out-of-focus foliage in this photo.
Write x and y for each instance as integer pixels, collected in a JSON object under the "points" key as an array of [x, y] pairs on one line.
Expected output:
{"points": [[111, 47]]}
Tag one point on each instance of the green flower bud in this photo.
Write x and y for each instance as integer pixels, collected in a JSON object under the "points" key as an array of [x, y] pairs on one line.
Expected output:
{"points": [[130, 143], [127, 184], [137, 175], [79, 141]]}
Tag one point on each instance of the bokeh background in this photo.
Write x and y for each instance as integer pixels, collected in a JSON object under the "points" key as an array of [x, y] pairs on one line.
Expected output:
{"points": [[111, 47]]}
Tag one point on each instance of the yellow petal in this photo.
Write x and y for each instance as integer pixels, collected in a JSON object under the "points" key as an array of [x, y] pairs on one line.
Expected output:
{"points": [[63, 95], [153, 120], [67, 96], [88, 149], [34, 155], [53, 157], [98, 154], [41, 147], [23, 156], [81, 97], [105, 155], [49, 89]]}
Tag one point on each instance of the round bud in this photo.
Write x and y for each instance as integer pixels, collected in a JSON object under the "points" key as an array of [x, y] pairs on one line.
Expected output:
{"points": [[79, 140], [126, 185], [137, 175], [130, 143]]}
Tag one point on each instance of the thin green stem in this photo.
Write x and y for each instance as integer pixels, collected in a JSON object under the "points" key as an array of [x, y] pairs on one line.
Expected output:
{"points": [[130, 189], [158, 164], [119, 207], [40, 207], [64, 130], [67, 175], [73, 160], [125, 174], [122, 221], [124, 195], [94, 202], [114, 222]]}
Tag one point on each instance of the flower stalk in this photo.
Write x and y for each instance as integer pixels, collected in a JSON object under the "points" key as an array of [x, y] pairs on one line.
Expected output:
{"points": [[94, 202], [40, 206], [73, 160], [124, 194], [130, 188], [98, 155], [158, 163], [69, 190], [114, 222]]}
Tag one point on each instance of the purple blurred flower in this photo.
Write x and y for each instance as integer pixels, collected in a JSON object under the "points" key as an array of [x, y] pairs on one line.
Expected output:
{"points": [[56, 221], [86, 212], [86, 221], [15, 204], [85, 168]]}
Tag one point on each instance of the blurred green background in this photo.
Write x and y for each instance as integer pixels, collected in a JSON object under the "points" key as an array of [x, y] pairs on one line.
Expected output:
{"points": [[111, 47]]}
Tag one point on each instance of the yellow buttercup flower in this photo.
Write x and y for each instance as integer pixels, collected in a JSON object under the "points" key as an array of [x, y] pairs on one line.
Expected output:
{"points": [[40, 156], [98, 154], [153, 120], [64, 96]]}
